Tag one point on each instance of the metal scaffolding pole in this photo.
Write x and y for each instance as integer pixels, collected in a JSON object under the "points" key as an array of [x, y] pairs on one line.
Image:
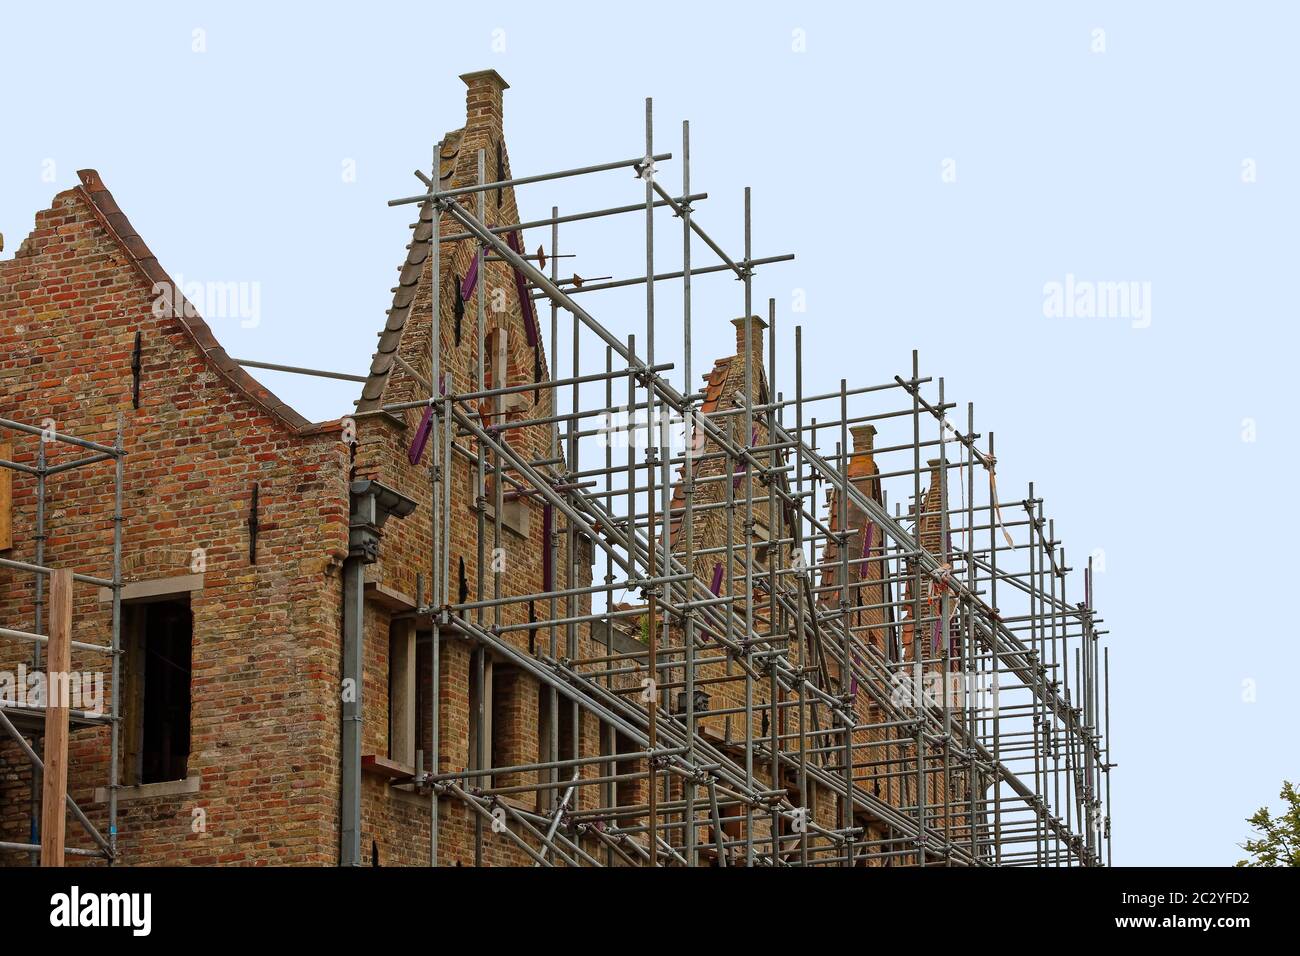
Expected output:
{"points": [[810, 678]]}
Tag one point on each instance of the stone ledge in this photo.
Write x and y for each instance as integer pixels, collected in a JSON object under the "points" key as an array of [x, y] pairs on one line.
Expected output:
{"points": [[157, 589], [143, 791]]}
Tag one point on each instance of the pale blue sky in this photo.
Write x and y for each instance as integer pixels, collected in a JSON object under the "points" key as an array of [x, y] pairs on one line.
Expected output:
{"points": [[1122, 165]]}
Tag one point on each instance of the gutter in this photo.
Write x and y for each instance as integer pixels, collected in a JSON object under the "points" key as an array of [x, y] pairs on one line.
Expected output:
{"points": [[371, 505]]}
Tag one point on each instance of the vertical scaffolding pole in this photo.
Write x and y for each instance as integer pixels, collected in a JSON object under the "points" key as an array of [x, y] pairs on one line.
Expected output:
{"points": [[688, 496], [835, 683], [115, 728], [438, 513]]}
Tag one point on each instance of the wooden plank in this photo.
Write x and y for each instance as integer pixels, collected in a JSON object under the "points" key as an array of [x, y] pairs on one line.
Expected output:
{"points": [[6, 499], [157, 589], [389, 598], [54, 810], [383, 767]]}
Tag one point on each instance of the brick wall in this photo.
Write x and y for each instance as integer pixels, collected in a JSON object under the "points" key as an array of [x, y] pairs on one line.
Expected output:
{"points": [[264, 725], [382, 453]]}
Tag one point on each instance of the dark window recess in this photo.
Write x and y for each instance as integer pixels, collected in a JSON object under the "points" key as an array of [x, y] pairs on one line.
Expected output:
{"points": [[423, 697], [493, 744], [157, 712], [628, 792], [566, 709], [563, 737]]}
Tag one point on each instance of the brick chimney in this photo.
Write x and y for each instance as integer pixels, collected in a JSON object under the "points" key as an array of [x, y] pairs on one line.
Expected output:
{"points": [[862, 463], [931, 520], [864, 439], [756, 333], [483, 101], [936, 465], [483, 130]]}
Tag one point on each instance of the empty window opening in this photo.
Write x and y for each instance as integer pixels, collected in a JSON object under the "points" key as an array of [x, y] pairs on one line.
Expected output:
{"points": [[156, 711], [509, 695], [424, 705], [630, 792], [480, 712], [560, 743], [403, 692], [500, 705]]}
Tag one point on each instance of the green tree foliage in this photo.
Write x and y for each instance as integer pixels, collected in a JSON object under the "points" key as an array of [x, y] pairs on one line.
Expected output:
{"points": [[1279, 837]]}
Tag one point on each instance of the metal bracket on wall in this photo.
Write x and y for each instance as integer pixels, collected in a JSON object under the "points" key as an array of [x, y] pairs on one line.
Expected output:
{"points": [[253, 525], [136, 366]]}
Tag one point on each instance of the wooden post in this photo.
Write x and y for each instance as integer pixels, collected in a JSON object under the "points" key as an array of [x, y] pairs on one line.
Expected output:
{"points": [[54, 811], [6, 499], [401, 663]]}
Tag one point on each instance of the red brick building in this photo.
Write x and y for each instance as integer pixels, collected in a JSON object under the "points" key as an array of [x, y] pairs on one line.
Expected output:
{"points": [[244, 735]]}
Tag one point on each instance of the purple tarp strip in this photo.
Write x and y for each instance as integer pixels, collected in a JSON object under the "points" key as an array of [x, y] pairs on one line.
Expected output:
{"points": [[548, 518], [421, 436], [471, 279], [866, 549], [521, 287], [744, 463], [716, 587], [853, 687]]}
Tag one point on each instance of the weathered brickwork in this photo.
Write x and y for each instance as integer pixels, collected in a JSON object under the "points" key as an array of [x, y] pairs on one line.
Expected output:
{"points": [[262, 780], [264, 739]]}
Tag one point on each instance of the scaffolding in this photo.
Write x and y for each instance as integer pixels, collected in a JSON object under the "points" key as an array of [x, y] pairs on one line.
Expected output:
{"points": [[24, 719], [924, 667], [847, 649]]}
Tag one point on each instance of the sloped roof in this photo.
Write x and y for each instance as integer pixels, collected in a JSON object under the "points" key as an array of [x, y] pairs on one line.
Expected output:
{"points": [[417, 254], [411, 308], [114, 221]]}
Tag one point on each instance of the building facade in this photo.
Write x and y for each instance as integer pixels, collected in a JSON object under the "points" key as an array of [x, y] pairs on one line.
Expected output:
{"points": [[281, 579]]}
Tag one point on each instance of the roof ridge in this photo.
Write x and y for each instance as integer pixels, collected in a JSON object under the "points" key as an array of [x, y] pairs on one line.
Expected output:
{"points": [[408, 283], [106, 210], [384, 360]]}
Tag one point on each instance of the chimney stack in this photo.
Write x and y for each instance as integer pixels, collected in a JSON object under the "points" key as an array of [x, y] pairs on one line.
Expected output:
{"points": [[757, 327], [483, 102], [862, 463], [864, 439]]}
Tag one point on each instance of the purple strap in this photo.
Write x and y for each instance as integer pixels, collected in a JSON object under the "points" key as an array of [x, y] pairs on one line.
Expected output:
{"points": [[744, 462], [866, 549], [716, 587], [521, 287], [471, 279], [422, 434], [934, 642]]}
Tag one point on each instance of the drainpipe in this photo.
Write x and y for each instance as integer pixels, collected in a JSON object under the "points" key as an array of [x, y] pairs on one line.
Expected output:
{"points": [[371, 505]]}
